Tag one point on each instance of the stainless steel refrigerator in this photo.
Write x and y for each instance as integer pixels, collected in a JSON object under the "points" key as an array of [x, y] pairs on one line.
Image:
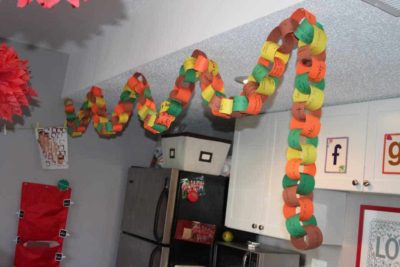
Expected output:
{"points": [[153, 204]]}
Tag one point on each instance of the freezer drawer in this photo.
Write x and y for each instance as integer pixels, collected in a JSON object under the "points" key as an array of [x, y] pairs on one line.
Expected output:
{"points": [[149, 203], [136, 252]]}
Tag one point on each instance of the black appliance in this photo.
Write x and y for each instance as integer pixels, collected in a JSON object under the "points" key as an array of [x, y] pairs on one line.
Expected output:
{"points": [[153, 205]]}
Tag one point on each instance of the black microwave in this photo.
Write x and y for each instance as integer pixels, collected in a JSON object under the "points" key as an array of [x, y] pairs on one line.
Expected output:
{"points": [[229, 254]]}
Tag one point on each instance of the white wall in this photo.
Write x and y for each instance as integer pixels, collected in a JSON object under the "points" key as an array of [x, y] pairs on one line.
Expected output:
{"points": [[97, 172]]}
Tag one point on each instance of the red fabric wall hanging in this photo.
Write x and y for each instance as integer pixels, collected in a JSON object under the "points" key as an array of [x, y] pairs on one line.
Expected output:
{"points": [[43, 216]]}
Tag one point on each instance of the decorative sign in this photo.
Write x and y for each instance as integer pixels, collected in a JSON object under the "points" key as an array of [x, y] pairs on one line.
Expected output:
{"points": [[378, 237], [53, 147], [391, 154], [336, 155]]}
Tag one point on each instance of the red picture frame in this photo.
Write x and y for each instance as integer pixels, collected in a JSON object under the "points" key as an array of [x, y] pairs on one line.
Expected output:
{"points": [[364, 208], [384, 153]]}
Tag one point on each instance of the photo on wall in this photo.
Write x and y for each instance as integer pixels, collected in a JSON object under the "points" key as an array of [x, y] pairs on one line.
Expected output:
{"points": [[53, 147]]}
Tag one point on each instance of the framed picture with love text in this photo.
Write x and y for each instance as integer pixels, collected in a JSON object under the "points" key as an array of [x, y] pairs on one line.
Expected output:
{"points": [[378, 237]]}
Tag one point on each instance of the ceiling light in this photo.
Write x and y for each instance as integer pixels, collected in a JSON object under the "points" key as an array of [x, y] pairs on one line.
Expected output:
{"points": [[390, 6], [241, 79]]}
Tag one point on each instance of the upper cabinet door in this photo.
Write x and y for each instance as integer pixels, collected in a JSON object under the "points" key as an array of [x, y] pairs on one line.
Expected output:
{"points": [[342, 147], [274, 220], [382, 165], [250, 165], [329, 207]]}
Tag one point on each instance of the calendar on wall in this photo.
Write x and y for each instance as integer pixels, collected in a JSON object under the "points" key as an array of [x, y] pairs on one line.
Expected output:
{"points": [[53, 147]]}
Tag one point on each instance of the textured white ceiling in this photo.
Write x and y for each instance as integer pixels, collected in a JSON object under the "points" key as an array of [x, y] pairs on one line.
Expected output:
{"points": [[363, 59], [106, 37]]}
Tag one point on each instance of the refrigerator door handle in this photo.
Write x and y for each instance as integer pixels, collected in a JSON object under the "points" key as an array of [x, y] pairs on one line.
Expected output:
{"points": [[152, 256], [163, 197], [245, 259]]}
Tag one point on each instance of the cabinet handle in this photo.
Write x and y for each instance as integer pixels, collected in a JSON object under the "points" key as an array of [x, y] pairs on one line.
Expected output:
{"points": [[355, 182], [366, 183], [261, 227], [254, 226]]}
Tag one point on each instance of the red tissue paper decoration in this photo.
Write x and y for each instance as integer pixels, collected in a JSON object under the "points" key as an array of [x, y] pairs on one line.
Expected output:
{"points": [[48, 3], [15, 89]]}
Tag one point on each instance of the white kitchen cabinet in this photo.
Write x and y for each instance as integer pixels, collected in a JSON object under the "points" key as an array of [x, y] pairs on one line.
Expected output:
{"points": [[248, 182], [383, 125], [369, 128], [255, 190], [259, 158], [342, 147]]}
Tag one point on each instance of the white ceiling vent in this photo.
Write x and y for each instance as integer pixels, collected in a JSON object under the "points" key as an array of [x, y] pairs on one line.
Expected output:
{"points": [[390, 6]]}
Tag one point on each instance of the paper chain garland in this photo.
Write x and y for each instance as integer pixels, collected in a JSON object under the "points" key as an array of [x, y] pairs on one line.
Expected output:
{"points": [[48, 3], [300, 28], [15, 89]]}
